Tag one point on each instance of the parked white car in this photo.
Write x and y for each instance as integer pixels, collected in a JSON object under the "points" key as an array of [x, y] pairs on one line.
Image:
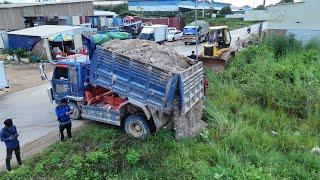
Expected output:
{"points": [[172, 29], [175, 35]]}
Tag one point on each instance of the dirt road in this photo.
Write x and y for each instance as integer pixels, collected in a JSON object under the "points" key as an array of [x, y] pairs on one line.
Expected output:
{"points": [[23, 76], [34, 117], [186, 50]]}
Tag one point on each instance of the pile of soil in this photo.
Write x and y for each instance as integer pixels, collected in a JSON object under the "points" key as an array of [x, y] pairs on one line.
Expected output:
{"points": [[190, 124], [161, 56]]}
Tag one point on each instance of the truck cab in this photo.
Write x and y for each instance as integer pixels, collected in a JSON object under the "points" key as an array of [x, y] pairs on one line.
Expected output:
{"points": [[68, 81], [195, 32]]}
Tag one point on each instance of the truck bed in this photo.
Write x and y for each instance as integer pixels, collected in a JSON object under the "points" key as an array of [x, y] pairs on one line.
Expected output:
{"points": [[144, 83]]}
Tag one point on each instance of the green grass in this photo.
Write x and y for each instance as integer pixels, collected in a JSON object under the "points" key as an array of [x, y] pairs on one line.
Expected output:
{"points": [[232, 23], [219, 21], [265, 89]]}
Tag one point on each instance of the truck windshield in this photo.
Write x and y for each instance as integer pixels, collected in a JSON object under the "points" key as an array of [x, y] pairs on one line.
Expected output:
{"points": [[190, 31], [145, 36], [61, 73]]}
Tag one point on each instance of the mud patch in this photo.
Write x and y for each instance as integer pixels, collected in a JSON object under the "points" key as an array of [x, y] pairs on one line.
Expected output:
{"points": [[161, 56]]}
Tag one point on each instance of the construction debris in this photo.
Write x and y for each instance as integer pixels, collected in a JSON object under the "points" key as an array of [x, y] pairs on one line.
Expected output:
{"points": [[161, 56]]}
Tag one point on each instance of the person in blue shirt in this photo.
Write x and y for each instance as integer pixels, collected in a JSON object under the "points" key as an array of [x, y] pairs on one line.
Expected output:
{"points": [[63, 112], [9, 136]]}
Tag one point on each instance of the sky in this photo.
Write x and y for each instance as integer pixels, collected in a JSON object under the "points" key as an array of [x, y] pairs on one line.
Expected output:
{"points": [[252, 3]]}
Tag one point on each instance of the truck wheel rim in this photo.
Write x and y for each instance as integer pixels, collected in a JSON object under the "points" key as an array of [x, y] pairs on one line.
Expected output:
{"points": [[136, 130]]}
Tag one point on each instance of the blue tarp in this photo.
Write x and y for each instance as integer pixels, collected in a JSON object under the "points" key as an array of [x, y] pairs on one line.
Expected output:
{"points": [[117, 22], [24, 42]]}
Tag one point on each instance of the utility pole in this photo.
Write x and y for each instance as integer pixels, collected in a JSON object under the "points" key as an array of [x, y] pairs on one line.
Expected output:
{"points": [[212, 7], [203, 9], [197, 36], [261, 23]]}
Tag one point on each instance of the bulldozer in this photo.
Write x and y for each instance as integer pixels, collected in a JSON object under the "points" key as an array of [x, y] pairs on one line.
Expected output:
{"points": [[217, 51]]}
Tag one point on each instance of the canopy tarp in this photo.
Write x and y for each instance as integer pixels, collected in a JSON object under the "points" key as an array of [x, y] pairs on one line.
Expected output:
{"points": [[60, 38], [23, 42], [102, 38]]}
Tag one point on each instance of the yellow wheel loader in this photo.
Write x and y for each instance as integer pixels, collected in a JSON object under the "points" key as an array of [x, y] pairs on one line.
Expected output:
{"points": [[217, 52]]}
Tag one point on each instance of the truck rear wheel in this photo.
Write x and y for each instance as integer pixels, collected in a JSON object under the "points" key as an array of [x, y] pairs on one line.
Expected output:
{"points": [[76, 110], [137, 126]]}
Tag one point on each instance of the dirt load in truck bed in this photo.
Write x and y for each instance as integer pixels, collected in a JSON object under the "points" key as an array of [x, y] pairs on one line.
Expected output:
{"points": [[161, 56]]}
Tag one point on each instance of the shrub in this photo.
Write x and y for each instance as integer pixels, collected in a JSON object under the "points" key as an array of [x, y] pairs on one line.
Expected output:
{"points": [[132, 156], [282, 45]]}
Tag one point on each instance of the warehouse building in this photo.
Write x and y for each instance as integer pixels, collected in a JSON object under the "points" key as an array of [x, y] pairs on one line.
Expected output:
{"points": [[298, 18], [173, 5], [22, 15]]}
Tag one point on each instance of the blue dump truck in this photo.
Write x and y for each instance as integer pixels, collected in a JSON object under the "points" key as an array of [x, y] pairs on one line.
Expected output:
{"points": [[115, 89], [195, 32]]}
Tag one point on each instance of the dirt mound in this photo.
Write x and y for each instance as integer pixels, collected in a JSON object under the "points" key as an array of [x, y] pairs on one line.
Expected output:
{"points": [[161, 56], [190, 124]]}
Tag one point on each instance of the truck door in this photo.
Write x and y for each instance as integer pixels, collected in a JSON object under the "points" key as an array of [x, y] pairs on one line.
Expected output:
{"points": [[60, 81], [73, 79]]}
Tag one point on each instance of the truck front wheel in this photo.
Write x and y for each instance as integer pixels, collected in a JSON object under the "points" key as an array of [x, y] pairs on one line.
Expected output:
{"points": [[76, 111], [136, 126]]}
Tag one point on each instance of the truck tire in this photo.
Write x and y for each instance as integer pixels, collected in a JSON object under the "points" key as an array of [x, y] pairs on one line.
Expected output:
{"points": [[137, 126], [76, 110]]}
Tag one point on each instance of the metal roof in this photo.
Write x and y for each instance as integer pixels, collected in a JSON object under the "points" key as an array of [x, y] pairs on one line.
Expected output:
{"points": [[168, 5], [17, 5], [104, 13], [218, 27], [46, 31]]}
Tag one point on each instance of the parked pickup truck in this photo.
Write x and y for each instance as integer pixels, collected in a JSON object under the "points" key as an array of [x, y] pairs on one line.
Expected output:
{"points": [[122, 91]]}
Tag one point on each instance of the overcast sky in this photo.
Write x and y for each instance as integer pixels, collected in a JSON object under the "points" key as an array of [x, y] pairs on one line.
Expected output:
{"points": [[248, 2]]}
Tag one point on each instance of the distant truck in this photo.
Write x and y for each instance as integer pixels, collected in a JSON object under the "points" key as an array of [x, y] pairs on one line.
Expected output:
{"points": [[116, 89], [157, 33], [197, 29]]}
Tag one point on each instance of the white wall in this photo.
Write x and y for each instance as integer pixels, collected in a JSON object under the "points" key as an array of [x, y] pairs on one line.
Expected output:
{"points": [[304, 35], [3, 40], [76, 20], [3, 76], [296, 16], [153, 8], [77, 41], [234, 16], [103, 21], [256, 15]]}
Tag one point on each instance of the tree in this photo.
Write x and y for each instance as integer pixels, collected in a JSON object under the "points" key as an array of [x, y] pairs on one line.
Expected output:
{"points": [[260, 7], [286, 1], [226, 10]]}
